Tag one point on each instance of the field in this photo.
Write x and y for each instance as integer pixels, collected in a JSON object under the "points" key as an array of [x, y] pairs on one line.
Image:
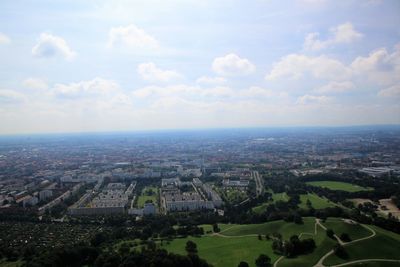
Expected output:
{"points": [[239, 242], [385, 245], [333, 185], [148, 193], [317, 202], [224, 251], [234, 195]]}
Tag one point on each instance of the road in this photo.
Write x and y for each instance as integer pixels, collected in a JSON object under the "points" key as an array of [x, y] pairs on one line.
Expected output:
{"points": [[259, 182]]}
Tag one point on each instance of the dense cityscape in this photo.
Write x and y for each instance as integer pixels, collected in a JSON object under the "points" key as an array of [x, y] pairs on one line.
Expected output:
{"points": [[91, 185]]}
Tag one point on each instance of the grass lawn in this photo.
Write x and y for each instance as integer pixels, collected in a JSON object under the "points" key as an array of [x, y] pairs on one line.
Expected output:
{"points": [[385, 245], [286, 229], [148, 193], [280, 197], [333, 185], [355, 231], [235, 195], [317, 202], [224, 251]]}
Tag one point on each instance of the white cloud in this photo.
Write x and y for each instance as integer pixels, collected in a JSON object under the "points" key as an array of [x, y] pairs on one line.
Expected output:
{"points": [[335, 87], [342, 34], [211, 80], [232, 64], [256, 92], [183, 90], [35, 83], [311, 99], [10, 96], [150, 72], [131, 36], [393, 91], [93, 88], [379, 66], [295, 66], [4, 39], [50, 45]]}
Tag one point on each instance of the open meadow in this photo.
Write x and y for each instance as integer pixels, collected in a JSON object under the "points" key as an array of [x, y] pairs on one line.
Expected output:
{"points": [[334, 185]]}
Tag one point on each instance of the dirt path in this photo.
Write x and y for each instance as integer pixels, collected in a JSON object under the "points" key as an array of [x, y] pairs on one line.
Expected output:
{"points": [[366, 260], [232, 236], [278, 260]]}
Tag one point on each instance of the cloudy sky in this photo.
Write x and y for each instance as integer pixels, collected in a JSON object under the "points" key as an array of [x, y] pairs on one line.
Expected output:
{"points": [[77, 66]]}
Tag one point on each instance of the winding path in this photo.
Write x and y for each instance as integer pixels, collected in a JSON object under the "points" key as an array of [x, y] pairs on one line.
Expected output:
{"points": [[366, 260], [300, 235], [321, 260]]}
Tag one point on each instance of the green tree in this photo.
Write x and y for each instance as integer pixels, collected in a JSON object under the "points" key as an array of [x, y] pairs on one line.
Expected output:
{"points": [[243, 264], [263, 261], [330, 233], [191, 247]]}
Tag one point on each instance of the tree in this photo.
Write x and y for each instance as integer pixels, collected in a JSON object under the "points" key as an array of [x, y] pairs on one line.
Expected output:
{"points": [[340, 251], [243, 264], [345, 237], [216, 228], [330, 233], [263, 261], [98, 239], [191, 247]]}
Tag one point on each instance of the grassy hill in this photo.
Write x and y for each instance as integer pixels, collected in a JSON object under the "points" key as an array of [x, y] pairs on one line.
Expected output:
{"points": [[286, 229], [324, 245], [385, 245]]}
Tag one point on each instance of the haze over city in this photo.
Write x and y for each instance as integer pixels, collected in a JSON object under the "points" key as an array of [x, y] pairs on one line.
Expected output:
{"points": [[78, 66]]}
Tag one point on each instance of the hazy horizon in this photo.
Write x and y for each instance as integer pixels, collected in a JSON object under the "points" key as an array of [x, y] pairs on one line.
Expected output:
{"points": [[264, 129], [123, 66]]}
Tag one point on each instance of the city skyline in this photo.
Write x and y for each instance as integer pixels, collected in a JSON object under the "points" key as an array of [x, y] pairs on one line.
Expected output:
{"points": [[127, 66]]}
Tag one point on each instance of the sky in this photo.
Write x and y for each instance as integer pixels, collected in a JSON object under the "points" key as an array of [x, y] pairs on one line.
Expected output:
{"points": [[88, 66]]}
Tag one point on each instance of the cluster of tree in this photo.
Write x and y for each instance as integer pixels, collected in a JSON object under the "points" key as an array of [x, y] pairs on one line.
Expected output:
{"points": [[293, 247], [82, 255]]}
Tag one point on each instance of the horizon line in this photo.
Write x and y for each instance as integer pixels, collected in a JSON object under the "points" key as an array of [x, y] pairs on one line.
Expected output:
{"points": [[160, 130]]}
